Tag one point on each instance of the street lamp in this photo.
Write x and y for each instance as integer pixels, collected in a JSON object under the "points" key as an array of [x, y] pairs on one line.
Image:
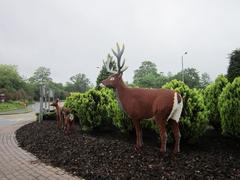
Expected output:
{"points": [[182, 66]]}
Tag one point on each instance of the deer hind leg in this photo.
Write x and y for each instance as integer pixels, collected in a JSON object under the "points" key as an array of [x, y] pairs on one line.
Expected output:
{"points": [[177, 135], [139, 142], [68, 124], [161, 122]]}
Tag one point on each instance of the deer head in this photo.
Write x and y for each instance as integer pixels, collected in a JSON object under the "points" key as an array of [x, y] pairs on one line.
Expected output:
{"points": [[116, 77], [55, 104]]}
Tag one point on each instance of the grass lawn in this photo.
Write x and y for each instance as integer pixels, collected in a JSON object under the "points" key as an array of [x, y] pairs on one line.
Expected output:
{"points": [[9, 106]]}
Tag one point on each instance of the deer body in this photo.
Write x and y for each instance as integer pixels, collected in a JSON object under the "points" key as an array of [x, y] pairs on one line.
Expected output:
{"points": [[162, 105], [58, 113], [144, 103], [68, 119]]}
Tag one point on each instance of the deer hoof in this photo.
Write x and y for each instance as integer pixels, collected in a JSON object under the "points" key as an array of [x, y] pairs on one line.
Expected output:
{"points": [[176, 151], [137, 148], [162, 152]]}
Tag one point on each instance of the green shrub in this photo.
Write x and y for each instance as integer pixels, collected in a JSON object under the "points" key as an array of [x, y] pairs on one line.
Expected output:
{"points": [[48, 115], [11, 105], [211, 95], [229, 103], [193, 120], [97, 109], [115, 113]]}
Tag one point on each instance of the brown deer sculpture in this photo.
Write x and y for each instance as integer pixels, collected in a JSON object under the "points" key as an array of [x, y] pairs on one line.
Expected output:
{"points": [[163, 105], [68, 119], [58, 113]]}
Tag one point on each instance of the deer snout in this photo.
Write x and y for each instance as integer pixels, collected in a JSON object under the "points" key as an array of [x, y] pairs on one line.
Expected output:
{"points": [[102, 85]]}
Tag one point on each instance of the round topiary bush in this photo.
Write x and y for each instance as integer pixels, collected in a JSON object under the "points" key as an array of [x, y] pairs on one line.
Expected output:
{"points": [[229, 103], [97, 109], [194, 119], [211, 95]]}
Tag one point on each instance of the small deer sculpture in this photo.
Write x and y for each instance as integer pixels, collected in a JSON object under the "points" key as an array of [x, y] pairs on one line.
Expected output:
{"points": [[65, 118], [68, 119], [163, 105]]}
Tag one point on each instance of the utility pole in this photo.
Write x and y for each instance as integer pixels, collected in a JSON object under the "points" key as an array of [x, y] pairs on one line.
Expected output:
{"points": [[40, 117]]}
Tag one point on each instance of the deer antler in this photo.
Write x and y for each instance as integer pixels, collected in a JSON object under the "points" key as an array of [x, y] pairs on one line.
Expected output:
{"points": [[107, 64], [118, 55]]}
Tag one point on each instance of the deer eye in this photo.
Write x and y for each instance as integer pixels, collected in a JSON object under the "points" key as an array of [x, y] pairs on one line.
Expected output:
{"points": [[112, 79]]}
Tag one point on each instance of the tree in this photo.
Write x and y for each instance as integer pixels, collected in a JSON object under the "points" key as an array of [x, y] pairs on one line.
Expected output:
{"points": [[234, 65], [191, 77], [104, 73], [205, 80], [41, 76], [12, 84], [9, 78], [147, 76], [58, 89], [79, 83]]}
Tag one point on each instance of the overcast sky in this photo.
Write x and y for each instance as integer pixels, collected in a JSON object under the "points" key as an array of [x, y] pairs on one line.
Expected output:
{"points": [[74, 36]]}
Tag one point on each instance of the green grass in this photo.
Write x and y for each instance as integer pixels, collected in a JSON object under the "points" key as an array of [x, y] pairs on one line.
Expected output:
{"points": [[9, 106]]}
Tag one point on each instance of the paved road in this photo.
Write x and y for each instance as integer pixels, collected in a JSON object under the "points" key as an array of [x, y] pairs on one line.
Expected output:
{"points": [[16, 163], [36, 106]]}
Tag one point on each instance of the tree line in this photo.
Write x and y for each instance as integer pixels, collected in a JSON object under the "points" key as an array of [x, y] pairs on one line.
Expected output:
{"points": [[15, 87], [148, 76]]}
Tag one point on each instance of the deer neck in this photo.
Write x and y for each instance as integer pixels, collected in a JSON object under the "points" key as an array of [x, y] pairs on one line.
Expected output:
{"points": [[58, 108], [120, 91]]}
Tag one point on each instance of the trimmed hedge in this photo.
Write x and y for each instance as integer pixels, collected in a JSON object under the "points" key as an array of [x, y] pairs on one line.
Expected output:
{"points": [[97, 109], [211, 95], [48, 115], [194, 121], [229, 107]]}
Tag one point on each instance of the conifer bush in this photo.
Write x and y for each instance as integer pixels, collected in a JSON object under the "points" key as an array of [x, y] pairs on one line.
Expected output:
{"points": [[194, 118], [211, 95], [229, 108]]}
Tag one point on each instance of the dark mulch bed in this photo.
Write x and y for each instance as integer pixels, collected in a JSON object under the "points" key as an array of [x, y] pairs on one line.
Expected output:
{"points": [[110, 155]]}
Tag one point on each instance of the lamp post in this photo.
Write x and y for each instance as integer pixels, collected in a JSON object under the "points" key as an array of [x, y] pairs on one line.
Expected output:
{"points": [[182, 66], [40, 117]]}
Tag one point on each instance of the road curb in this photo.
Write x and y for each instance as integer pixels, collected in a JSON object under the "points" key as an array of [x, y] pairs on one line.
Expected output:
{"points": [[16, 112]]}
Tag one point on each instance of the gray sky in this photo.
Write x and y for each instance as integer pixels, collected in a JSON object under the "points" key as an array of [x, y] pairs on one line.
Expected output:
{"points": [[74, 36]]}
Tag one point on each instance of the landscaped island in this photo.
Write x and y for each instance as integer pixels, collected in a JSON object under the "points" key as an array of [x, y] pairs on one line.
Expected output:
{"points": [[108, 155]]}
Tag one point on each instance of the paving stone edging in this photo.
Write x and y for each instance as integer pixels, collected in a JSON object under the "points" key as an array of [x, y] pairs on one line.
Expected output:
{"points": [[18, 164]]}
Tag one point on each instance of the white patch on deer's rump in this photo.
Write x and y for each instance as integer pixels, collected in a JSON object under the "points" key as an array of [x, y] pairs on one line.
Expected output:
{"points": [[176, 109], [71, 117]]}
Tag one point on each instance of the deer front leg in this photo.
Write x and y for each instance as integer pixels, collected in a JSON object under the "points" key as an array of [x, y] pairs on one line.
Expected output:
{"points": [[177, 135], [139, 142], [58, 121], [62, 119]]}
